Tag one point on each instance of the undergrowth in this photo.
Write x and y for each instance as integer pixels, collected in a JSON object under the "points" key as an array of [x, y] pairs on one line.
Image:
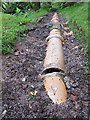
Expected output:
{"points": [[13, 28], [77, 17]]}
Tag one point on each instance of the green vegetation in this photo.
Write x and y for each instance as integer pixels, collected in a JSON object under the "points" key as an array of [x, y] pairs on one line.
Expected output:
{"points": [[87, 66], [49, 118], [16, 14], [77, 17], [0, 34], [13, 28]]}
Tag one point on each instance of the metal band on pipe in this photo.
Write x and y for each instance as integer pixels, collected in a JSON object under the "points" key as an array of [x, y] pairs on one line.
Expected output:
{"points": [[55, 36], [53, 71]]}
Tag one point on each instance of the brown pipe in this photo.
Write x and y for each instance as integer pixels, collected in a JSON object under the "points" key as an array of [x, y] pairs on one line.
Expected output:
{"points": [[54, 65], [54, 55]]}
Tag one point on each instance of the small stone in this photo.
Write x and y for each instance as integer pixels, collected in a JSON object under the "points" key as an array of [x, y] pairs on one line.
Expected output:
{"points": [[67, 80], [34, 116], [75, 84], [4, 112], [73, 113], [27, 50], [72, 70], [67, 84], [72, 41], [30, 106], [5, 105], [85, 111], [24, 79], [21, 53], [23, 60], [17, 53]]}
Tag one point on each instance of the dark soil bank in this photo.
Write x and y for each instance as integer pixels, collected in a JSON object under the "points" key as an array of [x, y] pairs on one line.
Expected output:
{"points": [[21, 77]]}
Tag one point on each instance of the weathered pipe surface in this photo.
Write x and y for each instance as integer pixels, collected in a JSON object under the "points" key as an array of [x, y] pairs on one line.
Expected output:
{"points": [[54, 65], [54, 55]]}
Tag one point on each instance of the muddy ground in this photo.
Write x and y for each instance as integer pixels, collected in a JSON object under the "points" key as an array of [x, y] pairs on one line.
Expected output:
{"points": [[21, 71]]}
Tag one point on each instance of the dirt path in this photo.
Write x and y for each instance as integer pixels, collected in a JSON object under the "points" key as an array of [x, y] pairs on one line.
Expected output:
{"points": [[21, 76]]}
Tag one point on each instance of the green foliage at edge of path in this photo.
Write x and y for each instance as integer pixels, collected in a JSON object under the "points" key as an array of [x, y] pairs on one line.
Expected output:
{"points": [[77, 17], [12, 28]]}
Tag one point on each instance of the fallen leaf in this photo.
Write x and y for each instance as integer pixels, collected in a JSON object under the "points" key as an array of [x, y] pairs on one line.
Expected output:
{"points": [[33, 93], [85, 103], [70, 33], [17, 53], [75, 92], [73, 98], [66, 23], [66, 28], [32, 86], [75, 47], [82, 49], [65, 33]]}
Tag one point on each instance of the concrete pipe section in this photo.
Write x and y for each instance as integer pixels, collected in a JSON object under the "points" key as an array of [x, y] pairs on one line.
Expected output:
{"points": [[54, 67]]}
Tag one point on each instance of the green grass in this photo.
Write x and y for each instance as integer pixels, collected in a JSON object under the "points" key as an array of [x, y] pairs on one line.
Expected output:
{"points": [[0, 35], [87, 66], [12, 28], [77, 17]]}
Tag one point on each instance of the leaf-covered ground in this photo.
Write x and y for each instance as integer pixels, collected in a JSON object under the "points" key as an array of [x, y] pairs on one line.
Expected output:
{"points": [[21, 76]]}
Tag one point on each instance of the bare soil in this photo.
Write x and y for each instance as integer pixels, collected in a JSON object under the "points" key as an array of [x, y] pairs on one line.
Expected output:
{"points": [[21, 71]]}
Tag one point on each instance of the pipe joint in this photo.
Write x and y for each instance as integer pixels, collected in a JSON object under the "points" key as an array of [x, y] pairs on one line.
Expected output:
{"points": [[55, 36], [53, 67]]}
